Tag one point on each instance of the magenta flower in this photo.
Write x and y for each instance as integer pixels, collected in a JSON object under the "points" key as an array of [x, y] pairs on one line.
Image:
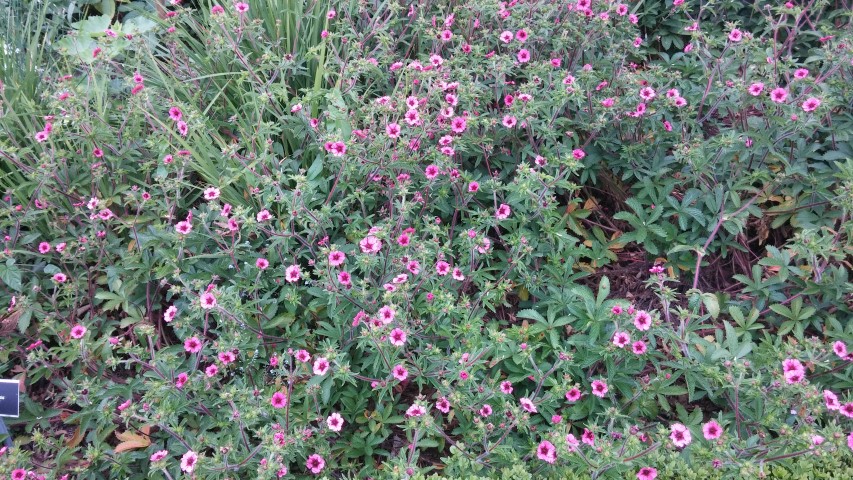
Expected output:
{"points": [[546, 452], [335, 422], [712, 430], [192, 345], [208, 301], [315, 464], [77, 331], [188, 461], [647, 473], [278, 400], [680, 435], [293, 274], [397, 337], [399, 372], [599, 388], [321, 366]]}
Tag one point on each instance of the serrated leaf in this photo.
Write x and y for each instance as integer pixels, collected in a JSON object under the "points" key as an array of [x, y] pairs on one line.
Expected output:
{"points": [[132, 441], [11, 274]]}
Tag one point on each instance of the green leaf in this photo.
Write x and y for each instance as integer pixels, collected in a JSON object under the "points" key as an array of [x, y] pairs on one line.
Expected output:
{"points": [[531, 315], [712, 304], [11, 275]]}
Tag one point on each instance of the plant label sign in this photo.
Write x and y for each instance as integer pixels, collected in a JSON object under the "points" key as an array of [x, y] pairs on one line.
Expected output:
{"points": [[10, 398]]}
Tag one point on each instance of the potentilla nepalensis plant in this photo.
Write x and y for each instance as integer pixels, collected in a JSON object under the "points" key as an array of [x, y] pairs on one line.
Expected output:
{"points": [[379, 248]]}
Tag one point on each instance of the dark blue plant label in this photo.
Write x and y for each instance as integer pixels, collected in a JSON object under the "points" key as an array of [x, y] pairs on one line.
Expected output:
{"points": [[10, 398]]}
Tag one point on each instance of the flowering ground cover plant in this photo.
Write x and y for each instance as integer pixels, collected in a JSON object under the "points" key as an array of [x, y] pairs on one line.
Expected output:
{"points": [[283, 239]]}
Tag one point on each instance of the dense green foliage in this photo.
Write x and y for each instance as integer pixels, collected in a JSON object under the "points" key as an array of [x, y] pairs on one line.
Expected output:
{"points": [[422, 239]]}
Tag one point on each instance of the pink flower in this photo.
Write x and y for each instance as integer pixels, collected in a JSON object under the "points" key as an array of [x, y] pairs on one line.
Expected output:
{"points": [[527, 405], [386, 314], [811, 104], [159, 455], [712, 430], [77, 331], [59, 277], [192, 345], [278, 400], [211, 370], [642, 320], [292, 274], [573, 395], [263, 216], [506, 36], [262, 263], [847, 409], [778, 95], [509, 121], [241, 7], [458, 124], [830, 399], [755, 89], [546, 452], [345, 278], [188, 461], [599, 388], [638, 347], [616, 310], [621, 339], [850, 441], [44, 247], [315, 464], [303, 356], [443, 405], [472, 187], [175, 114], [735, 35], [370, 244], [647, 473], [572, 442], [578, 154], [335, 422], [588, 437], [801, 73], [19, 473], [793, 370], [680, 435], [521, 35], [431, 172], [183, 227], [397, 337], [523, 55], [211, 193], [840, 349], [337, 258], [485, 410], [506, 387], [415, 411], [181, 380], [393, 130], [442, 268], [208, 301], [503, 212], [227, 357], [399, 372], [321, 366], [217, 10]]}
